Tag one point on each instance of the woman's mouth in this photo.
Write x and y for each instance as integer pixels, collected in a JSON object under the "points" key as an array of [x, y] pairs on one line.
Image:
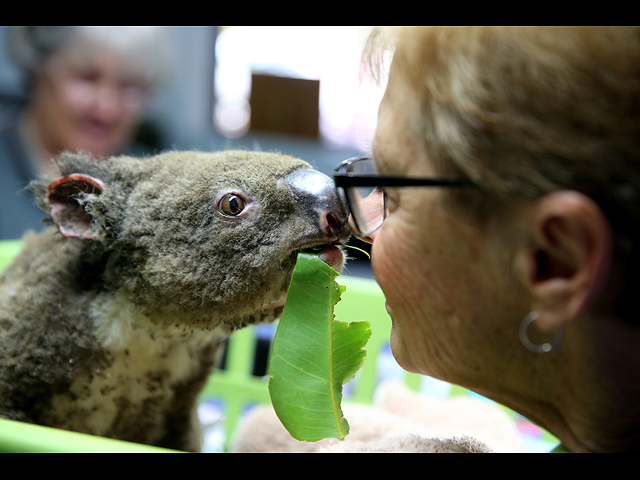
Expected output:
{"points": [[96, 131]]}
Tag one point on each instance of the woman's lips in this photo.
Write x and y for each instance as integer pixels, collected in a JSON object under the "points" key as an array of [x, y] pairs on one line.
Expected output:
{"points": [[96, 131]]}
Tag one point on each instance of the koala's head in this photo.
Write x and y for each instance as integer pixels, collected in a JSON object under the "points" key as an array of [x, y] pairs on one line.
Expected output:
{"points": [[198, 235]]}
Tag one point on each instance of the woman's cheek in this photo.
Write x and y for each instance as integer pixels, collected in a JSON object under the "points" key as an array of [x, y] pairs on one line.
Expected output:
{"points": [[414, 282], [389, 260], [383, 259], [394, 261]]}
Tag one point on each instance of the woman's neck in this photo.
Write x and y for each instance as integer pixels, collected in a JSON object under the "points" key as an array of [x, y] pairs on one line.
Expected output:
{"points": [[596, 392]]}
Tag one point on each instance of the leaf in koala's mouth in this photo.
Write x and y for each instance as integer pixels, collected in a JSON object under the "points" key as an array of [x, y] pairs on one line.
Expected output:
{"points": [[313, 355]]}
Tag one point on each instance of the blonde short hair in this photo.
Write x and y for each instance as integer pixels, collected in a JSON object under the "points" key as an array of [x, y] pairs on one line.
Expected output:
{"points": [[526, 111]]}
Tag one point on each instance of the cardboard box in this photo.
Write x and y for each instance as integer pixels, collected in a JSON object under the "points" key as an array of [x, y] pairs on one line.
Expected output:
{"points": [[284, 104]]}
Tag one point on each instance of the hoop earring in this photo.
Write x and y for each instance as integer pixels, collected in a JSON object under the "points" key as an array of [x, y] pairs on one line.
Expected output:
{"points": [[534, 347]]}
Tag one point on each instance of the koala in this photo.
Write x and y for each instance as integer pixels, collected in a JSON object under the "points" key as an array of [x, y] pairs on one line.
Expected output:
{"points": [[114, 316]]}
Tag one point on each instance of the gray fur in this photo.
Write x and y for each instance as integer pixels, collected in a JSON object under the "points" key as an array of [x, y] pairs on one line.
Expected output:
{"points": [[116, 335]]}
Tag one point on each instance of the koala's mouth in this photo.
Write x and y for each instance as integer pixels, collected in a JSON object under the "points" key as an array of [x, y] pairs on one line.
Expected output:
{"points": [[331, 254]]}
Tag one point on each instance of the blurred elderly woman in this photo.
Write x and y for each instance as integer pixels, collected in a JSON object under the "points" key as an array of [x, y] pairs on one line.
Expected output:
{"points": [[87, 90], [509, 249]]}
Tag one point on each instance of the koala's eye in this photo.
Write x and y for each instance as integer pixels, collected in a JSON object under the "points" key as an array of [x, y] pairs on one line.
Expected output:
{"points": [[231, 205]]}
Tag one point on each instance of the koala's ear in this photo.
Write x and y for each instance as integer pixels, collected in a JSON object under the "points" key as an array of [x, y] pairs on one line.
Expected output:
{"points": [[64, 198]]}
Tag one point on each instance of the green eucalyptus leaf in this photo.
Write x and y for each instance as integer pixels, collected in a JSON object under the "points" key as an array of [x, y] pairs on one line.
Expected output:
{"points": [[313, 355]]}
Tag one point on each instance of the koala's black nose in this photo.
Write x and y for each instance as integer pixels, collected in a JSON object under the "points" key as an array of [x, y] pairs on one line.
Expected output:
{"points": [[317, 192]]}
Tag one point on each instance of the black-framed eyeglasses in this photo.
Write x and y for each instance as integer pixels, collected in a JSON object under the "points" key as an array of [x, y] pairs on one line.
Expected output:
{"points": [[362, 191]]}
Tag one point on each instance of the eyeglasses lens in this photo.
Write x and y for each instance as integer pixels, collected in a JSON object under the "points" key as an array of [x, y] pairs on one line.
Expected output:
{"points": [[367, 203]]}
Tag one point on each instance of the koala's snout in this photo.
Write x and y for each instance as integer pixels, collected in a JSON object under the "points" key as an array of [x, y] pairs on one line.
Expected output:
{"points": [[317, 192]]}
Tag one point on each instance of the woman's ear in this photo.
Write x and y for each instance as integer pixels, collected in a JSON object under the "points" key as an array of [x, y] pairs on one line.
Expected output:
{"points": [[567, 257]]}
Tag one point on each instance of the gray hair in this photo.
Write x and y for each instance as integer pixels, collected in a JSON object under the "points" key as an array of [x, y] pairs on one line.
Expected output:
{"points": [[146, 49]]}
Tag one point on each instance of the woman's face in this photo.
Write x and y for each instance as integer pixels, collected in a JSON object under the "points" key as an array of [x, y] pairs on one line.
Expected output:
{"points": [[448, 284], [86, 101]]}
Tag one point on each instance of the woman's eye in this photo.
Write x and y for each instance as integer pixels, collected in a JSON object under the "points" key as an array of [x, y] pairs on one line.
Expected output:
{"points": [[231, 205]]}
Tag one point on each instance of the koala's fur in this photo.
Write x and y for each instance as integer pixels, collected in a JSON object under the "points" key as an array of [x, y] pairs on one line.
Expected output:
{"points": [[115, 335]]}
